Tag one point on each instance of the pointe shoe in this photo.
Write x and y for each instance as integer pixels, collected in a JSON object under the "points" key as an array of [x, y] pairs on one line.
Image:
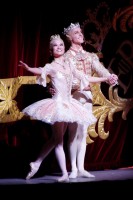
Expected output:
{"points": [[85, 174], [34, 169], [63, 178], [73, 174]]}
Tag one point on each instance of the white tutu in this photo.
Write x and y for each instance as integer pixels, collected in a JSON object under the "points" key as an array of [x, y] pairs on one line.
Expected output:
{"points": [[61, 107]]}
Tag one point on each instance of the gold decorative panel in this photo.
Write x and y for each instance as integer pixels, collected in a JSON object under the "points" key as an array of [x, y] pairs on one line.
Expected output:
{"points": [[102, 107]]}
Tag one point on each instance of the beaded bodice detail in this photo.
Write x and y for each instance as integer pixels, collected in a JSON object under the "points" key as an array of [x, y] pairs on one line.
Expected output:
{"points": [[86, 62]]}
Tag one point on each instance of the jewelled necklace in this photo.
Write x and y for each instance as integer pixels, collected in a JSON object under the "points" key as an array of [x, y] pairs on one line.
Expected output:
{"points": [[60, 64]]}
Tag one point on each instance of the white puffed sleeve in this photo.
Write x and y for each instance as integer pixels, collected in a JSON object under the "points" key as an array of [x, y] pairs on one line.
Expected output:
{"points": [[42, 79], [84, 81]]}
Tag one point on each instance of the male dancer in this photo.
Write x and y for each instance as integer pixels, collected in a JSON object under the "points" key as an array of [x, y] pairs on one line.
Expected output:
{"points": [[88, 63]]}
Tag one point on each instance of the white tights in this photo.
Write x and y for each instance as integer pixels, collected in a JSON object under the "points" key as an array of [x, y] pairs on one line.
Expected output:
{"points": [[56, 141], [77, 149]]}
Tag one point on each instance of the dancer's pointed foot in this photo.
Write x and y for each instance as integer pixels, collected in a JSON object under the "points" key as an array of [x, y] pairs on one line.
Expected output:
{"points": [[63, 178], [34, 168], [85, 174], [73, 174]]}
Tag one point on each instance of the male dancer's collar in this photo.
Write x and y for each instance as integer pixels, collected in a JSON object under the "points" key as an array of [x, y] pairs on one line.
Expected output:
{"points": [[76, 50], [79, 54]]}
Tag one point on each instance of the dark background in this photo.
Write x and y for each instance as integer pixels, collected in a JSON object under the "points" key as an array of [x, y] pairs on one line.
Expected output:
{"points": [[25, 29]]}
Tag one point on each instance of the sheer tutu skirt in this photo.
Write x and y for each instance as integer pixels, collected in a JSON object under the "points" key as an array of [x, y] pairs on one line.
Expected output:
{"points": [[54, 110]]}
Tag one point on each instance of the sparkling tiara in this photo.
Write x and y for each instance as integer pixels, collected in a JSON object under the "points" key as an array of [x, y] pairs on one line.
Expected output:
{"points": [[53, 37], [66, 30]]}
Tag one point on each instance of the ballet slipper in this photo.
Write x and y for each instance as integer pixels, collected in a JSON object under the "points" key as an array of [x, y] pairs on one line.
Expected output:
{"points": [[73, 174], [63, 178], [85, 174], [34, 168]]}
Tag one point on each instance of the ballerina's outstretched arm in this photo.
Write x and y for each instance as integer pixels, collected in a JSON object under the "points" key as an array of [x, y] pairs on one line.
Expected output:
{"points": [[34, 70]]}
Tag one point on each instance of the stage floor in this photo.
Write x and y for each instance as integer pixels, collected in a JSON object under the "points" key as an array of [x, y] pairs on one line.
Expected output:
{"points": [[115, 182]]}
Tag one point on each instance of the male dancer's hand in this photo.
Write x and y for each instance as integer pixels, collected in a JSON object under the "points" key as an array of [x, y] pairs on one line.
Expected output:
{"points": [[51, 90], [113, 79]]}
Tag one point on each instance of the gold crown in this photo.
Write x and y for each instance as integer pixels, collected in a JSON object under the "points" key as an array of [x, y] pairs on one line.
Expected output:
{"points": [[66, 30], [53, 37]]}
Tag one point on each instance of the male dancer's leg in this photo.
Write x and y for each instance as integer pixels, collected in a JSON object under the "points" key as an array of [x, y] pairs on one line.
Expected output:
{"points": [[81, 146]]}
